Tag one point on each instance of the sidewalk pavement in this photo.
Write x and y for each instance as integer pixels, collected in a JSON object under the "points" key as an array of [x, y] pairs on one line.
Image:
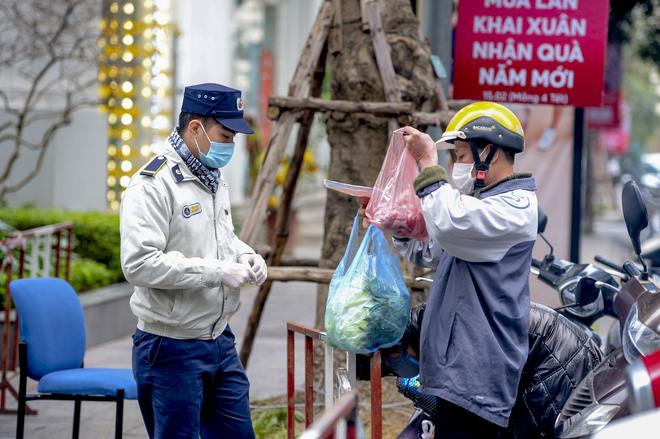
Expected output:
{"points": [[291, 301]]}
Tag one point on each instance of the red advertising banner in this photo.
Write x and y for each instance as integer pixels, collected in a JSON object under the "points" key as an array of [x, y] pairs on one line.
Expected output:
{"points": [[606, 116], [531, 51]]}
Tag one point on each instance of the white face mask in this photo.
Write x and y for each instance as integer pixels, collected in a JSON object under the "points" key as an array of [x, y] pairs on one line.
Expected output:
{"points": [[462, 176]]}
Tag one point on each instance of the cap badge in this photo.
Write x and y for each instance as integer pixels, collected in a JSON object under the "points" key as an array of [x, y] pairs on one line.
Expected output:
{"points": [[239, 104]]}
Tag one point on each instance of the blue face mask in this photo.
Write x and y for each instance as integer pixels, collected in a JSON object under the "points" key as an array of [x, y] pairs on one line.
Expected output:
{"points": [[219, 153], [406, 366]]}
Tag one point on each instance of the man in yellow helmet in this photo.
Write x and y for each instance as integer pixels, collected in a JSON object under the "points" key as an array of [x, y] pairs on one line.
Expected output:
{"points": [[473, 337]]}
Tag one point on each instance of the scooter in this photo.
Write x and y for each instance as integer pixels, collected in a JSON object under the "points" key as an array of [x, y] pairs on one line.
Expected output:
{"points": [[651, 253], [643, 381], [644, 388], [591, 304], [603, 395]]}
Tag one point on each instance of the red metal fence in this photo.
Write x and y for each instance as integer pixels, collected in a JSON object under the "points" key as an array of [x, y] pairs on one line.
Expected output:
{"points": [[311, 335], [345, 409], [35, 252]]}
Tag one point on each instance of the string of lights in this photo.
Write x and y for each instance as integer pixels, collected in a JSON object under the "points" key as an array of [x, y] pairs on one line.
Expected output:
{"points": [[135, 84]]}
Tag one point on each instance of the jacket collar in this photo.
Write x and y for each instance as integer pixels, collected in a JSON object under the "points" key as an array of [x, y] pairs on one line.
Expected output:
{"points": [[191, 168], [518, 180]]}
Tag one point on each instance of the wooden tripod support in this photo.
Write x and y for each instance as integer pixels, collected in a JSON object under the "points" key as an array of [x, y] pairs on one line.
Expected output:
{"points": [[325, 37]]}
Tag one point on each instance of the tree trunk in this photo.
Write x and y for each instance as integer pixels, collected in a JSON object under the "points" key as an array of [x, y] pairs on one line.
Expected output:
{"points": [[359, 141]]}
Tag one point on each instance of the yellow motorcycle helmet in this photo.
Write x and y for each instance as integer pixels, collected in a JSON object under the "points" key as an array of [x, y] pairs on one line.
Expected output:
{"points": [[488, 121]]}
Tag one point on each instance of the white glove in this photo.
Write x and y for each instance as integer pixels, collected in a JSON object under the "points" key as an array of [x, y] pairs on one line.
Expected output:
{"points": [[257, 264], [236, 275]]}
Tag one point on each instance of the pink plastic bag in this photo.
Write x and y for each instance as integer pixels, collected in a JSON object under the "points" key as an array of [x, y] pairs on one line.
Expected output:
{"points": [[394, 207]]}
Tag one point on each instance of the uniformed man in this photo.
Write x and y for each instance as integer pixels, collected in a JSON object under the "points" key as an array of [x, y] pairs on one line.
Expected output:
{"points": [[179, 250]]}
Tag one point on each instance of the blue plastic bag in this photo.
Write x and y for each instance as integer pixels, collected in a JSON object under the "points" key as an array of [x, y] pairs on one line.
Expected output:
{"points": [[368, 301]]}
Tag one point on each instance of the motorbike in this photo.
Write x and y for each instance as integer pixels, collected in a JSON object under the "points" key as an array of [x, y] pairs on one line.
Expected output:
{"points": [[603, 395], [651, 253], [643, 382], [586, 304], [644, 388]]}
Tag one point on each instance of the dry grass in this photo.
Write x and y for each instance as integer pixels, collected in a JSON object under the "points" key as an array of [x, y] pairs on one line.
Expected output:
{"points": [[271, 422]]}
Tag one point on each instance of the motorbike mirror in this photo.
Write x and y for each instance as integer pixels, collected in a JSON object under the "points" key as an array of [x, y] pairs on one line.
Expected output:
{"points": [[634, 213], [543, 220], [586, 291], [636, 217]]}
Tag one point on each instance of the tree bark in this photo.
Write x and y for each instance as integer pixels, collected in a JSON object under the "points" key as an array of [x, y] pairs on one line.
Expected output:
{"points": [[359, 141]]}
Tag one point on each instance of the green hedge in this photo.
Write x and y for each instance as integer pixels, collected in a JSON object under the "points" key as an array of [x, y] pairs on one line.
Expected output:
{"points": [[96, 261]]}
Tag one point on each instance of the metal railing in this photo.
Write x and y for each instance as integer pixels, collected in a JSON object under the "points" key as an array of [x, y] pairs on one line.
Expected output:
{"points": [[311, 335], [344, 411], [36, 252]]}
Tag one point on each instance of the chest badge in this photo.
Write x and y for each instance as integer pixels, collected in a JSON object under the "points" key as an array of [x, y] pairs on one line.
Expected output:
{"points": [[191, 209]]}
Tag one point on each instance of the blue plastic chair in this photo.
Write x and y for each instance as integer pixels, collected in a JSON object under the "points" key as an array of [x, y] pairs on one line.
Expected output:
{"points": [[52, 349]]}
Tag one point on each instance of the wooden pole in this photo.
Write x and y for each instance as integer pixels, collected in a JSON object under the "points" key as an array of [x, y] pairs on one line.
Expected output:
{"points": [[439, 118], [335, 38], [382, 51], [285, 103], [283, 213], [265, 182], [322, 276], [281, 237], [383, 58]]}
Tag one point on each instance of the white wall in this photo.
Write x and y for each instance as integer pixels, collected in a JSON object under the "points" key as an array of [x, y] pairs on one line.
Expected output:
{"points": [[73, 173], [204, 53], [295, 19]]}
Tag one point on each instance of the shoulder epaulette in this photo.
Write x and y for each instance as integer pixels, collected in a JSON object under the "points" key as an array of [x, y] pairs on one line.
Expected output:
{"points": [[154, 166]]}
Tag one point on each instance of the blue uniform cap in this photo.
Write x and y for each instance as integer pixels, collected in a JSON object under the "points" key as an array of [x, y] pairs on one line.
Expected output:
{"points": [[220, 102]]}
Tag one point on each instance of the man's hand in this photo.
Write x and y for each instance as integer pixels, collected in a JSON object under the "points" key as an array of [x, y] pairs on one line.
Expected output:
{"points": [[236, 275], [256, 264], [363, 201], [421, 147]]}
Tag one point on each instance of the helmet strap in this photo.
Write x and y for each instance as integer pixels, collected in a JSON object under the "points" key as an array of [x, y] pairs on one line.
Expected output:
{"points": [[481, 166]]}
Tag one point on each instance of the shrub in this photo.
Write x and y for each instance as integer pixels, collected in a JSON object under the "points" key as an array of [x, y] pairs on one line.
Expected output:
{"points": [[87, 274], [96, 259]]}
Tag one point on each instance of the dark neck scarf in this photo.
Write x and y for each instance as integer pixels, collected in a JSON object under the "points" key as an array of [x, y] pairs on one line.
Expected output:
{"points": [[209, 177]]}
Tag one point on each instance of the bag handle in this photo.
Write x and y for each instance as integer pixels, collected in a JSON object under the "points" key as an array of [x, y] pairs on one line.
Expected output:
{"points": [[353, 243]]}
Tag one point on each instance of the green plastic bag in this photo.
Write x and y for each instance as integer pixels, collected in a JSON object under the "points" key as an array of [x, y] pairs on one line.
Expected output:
{"points": [[368, 301]]}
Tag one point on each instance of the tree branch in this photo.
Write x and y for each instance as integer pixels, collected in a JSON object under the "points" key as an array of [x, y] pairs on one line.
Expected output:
{"points": [[7, 188], [47, 45]]}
